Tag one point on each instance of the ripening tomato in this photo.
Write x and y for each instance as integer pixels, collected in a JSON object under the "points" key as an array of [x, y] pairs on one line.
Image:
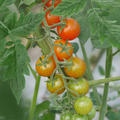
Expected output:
{"points": [[51, 19], [79, 117], [70, 31], [56, 85], [77, 69], [66, 116], [49, 3], [83, 105], [92, 114], [47, 68], [60, 54], [80, 87]]}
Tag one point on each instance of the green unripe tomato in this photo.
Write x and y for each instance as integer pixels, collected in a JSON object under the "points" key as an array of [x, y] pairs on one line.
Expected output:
{"points": [[83, 105], [66, 116], [92, 114], [79, 117]]}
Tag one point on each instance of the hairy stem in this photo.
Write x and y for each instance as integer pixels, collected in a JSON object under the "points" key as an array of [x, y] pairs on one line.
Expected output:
{"points": [[106, 86]]}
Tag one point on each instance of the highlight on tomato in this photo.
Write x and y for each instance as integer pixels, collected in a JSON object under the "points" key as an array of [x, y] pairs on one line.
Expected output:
{"points": [[77, 69], [79, 117], [45, 67], [70, 31], [56, 85], [64, 52], [80, 87], [83, 105]]}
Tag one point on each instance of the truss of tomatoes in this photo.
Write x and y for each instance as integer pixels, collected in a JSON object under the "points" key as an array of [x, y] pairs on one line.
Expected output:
{"points": [[63, 50]]}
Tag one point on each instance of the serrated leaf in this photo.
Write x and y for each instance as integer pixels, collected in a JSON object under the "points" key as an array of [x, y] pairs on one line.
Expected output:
{"points": [[26, 24], [69, 7], [12, 68]]}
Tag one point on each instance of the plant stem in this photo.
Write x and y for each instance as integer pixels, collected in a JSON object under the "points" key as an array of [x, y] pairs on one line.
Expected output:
{"points": [[116, 52], [33, 105], [101, 81], [89, 73], [106, 86]]}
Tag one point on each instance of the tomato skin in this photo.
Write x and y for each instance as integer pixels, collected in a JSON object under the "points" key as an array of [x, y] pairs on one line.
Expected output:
{"points": [[81, 87], [58, 50], [49, 3], [70, 31], [83, 105], [47, 70], [57, 84], [77, 69], [51, 19], [66, 116], [92, 114], [79, 117]]}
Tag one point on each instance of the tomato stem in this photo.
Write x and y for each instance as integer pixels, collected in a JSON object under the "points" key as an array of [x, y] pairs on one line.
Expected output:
{"points": [[106, 86], [34, 100], [101, 81], [89, 73]]}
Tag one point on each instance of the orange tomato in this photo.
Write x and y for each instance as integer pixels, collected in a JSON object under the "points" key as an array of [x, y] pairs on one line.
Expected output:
{"points": [[61, 55], [47, 69]]}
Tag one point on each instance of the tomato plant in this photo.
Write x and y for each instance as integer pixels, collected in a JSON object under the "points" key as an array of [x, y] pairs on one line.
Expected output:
{"points": [[83, 105], [95, 24], [77, 69], [64, 52], [80, 87], [57, 85], [45, 67], [70, 31]]}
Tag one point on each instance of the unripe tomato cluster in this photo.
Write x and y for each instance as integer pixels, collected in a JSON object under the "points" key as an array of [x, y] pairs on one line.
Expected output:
{"points": [[63, 52]]}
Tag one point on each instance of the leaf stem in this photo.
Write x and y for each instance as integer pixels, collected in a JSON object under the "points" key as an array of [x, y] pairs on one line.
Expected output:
{"points": [[37, 84], [89, 73], [106, 86], [116, 52]]}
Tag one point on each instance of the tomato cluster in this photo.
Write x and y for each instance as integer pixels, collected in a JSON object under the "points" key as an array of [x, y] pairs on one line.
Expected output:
{"points": [[62, 52]]}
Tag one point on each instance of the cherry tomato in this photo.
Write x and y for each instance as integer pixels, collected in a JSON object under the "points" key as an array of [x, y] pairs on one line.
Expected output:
{"points": [[70, 31], [46, 69], [81, 87], [57, 85], [92, 114], [66, 116], [83, 105], [49, 3], [62, 55], [79, 117], [77, 69], [51, 19]]}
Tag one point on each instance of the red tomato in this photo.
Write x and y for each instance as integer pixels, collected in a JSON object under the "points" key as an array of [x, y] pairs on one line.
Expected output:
{"points": [[47, 69], [49, 3], [61, 55], [51, 19], [70, 31]]}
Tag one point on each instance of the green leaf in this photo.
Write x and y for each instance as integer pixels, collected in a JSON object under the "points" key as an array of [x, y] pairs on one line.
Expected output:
{"points": [[84, 28], [113, 115], [28, 2], [69, 7], [12, 67], [48, 116], [4, 4], [42, 107], [26, 24], [101, 70], [75, 47]]}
